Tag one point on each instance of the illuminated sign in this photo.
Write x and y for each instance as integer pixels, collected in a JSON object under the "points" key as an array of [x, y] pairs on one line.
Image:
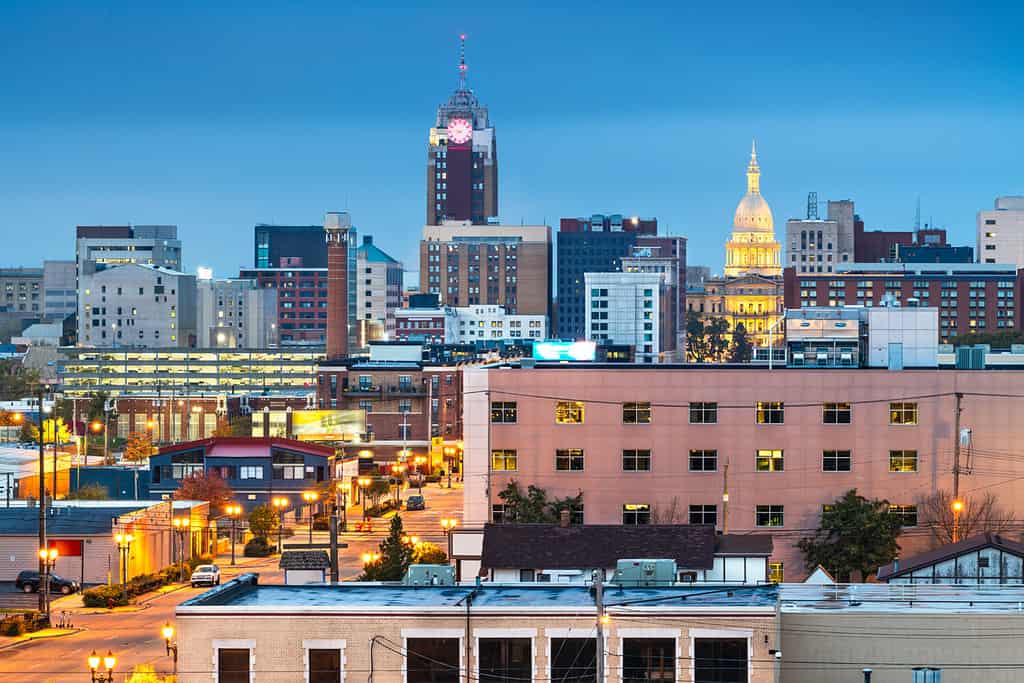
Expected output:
{"points": [[328, 425], [562, 350]]}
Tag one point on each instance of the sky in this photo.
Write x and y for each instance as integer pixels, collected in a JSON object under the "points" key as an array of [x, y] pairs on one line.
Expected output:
{"points": [[216, 116]]}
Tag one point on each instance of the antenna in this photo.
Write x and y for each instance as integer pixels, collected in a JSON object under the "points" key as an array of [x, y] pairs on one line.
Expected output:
{"points": [[812, 206], [917, 219], [462, 61]]}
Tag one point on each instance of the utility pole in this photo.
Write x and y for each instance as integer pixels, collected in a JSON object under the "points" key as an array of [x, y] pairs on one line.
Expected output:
{"points": [[725, 498], [42, 494], [956, 446], [598, 577]]}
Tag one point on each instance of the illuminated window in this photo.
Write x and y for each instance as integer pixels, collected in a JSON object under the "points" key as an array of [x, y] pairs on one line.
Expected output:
{"points": [[903, 461], [835, 461], [769, 460], [569, 412], [769, 515], [704, 413], [636, 513], [569, 459], [835, 413], [504, 412], [903, 413], [636, 413], [770, 412], [775, 574], [504, 460], [907, 514]]}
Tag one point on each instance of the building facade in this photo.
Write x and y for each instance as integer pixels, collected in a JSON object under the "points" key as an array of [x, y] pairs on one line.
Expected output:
{"points": [[301, 317], [1000, 232], [235, 313], [59, 290], [378, 292], [423, 325], [278, 246], [627, 308], [880, 246], [470, 324], [102, 246], [22, 290], [816, 246]]}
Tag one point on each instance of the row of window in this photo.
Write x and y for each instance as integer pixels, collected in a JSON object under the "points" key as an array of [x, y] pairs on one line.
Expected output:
{"points": [[766, 412]]}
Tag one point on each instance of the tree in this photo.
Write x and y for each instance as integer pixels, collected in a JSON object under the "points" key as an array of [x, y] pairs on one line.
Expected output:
{"points": [[139, 446], [742, 350], [673, 513], [1002, 339], [981, 514], [855, 535], [90, 492], [395, 556], [51, 428], [236, 426], [378, 487], [16, 380], [206, 486], [534, 507], [706, 342], [426, 552], [144, 673], [263, 521]]}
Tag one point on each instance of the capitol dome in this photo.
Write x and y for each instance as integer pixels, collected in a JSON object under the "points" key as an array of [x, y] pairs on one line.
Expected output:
{"points": [[753, 215]]}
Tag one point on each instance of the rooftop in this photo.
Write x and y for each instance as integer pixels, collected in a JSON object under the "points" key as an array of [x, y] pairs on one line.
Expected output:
{"points": [[949, 551], [244, 446], [920, 598], [304, 559], [76, 520]]}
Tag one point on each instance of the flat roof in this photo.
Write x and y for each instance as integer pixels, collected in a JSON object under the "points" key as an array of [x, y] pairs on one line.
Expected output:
{"points": [[903, 598]]}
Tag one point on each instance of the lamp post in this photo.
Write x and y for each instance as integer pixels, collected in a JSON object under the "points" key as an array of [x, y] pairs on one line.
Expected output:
{"points": [[108, 663], [397, 470], [181, 525], [124, 544], [280, 504], [449, 524], [233, 511], [170, 644], [310, 497], [957, 507], [344, 488], [417, 462], [48, 558], [364, 483]]}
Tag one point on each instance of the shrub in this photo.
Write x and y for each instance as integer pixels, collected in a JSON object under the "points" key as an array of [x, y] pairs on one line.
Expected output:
{"points": [[258, 547], [103, 596], [13, 625], [201, 559]]}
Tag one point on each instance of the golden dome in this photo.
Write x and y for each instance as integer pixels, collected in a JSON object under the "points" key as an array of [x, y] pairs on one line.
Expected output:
{"points": [[753, 215]]}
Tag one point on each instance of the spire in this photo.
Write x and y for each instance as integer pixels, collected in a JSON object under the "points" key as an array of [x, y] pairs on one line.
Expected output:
{"points": [[462, 61], [753, 171]]}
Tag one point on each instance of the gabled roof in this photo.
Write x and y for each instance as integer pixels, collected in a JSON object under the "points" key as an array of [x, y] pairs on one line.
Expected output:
{"points": [[244, 446], [550, 546], [304, 559], [374, 254], [946, 552]]}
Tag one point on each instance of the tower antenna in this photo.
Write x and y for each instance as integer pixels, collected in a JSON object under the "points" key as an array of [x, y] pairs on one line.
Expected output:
{"points": [[462, 61], [917, 219], [812, 206]]}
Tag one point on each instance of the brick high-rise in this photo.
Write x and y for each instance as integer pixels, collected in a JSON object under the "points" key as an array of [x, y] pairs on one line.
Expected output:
{"points": [[336, 227]]}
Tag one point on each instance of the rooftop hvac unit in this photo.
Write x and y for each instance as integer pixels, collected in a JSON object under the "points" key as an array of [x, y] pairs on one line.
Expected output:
{"points": [[926, 674], [970, 358], [429, 575], [632, 573]]}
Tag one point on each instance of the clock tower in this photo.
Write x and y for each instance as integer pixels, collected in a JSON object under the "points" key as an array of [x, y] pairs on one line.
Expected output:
{"points": [[462, 158]]}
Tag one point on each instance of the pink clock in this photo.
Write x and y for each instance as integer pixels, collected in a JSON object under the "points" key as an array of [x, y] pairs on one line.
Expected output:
{"points": [[459, 131]]}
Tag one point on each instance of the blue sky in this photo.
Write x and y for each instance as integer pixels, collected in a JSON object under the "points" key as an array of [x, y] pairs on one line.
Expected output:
{"points": [[216, 116]]}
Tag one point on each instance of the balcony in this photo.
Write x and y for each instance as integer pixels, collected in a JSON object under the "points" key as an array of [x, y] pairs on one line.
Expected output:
{"points": [[363, 390], [406, 390]]}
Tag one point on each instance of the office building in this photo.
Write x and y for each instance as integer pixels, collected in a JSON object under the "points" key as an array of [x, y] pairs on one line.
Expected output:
{"points": [[816, 246], [628, 309], [505, 265], [235, 313], [1000, 232], [470, 324], [378, 292], [59, 290], [102, 246], [22, 291], [138, 306], [421, 324], [278, 246], [933, 253], [462, 159], [877, 246], [591, 245]]}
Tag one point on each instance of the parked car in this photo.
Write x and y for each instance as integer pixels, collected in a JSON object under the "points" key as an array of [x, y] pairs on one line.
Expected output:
{"points": [[415, 502], [28, 581], [208, 574]]}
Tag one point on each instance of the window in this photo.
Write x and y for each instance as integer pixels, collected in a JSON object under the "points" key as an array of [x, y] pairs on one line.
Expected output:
{"points": [[835, 413], [250, 472], [405, 405], [569, 412], [573, 660], [325, 666], [770, 412], [835, 461], [504, 412], [907, 514], [903, 413], [527, 576], [232, 665], [769, 460], [769, 515], [704, 514], [431, 660], [703, 413], [903, 461], [569, 459], [775, 574], [504, 460], [636, 460], [649, 659], [722, 660], [503, 660], [703, 461], [186, 470], [636, 513], [499, 515], [636, 413]]}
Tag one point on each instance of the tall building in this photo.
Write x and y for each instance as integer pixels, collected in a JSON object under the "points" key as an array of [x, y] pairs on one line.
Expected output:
{"points": [[507, 265], [672, 291], [100, 246], [235, 314], [274, 243], [591, 245], [336, 227], [877, 246], [378, 292], [59, 293], [816, 246], [462, 159], [1000, 232], [626, 309]]}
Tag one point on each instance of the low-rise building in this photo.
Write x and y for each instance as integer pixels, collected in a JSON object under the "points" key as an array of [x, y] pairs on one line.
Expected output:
{"points": [[984, 559], [235, 313], [467, 325], [1000, 232]]}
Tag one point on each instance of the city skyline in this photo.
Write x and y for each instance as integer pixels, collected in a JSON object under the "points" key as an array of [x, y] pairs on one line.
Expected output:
{"points": [[194, 135]]}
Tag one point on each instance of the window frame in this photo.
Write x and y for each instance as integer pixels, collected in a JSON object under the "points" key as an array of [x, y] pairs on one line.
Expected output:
{"points": [[503, 409], [905, 512], [702, 513], [903, 455], [505, 454], [571, 456], [770, 412], [774, 463], [702, 453], [837, 458], [701, 408], [899, 410], [639, 511], [769, 512], [564, 410], [637, 455], [636, 410], [838, 408]]}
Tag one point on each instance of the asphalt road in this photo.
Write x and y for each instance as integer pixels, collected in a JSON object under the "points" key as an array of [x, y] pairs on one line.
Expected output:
{"points": [[134, 636]]}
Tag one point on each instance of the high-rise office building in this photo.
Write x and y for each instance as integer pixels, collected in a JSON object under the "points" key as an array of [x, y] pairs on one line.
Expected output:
{"points": [[1001, 232], [627, 308], [462, 159], [816, 246], [275, 243]]}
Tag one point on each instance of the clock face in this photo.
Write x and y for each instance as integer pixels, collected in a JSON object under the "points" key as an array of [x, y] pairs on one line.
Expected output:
{"points": [[459, 131]]}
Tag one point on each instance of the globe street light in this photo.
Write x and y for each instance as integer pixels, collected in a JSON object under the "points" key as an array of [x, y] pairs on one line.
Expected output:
{"points": [[48, 556], [310, 497], [108, 663], [957, 507], [170, 644], [364, 483], [449, 524], [124, 544], [280, 504], [233, 511]]}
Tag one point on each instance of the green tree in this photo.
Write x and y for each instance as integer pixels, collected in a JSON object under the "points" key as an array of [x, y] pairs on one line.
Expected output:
{"points": [[1002, 339], [90, 492], [742, 350], [395, 556], [534, 507], [706, 341], [855, 535], [426, 552], [263, 521], [16, 380]]}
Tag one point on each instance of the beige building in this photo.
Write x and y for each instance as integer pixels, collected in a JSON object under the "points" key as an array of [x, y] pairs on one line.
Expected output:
{"points": [[817, 246], [235, 314], [378, 292], [439, 634], [1000, 232]]}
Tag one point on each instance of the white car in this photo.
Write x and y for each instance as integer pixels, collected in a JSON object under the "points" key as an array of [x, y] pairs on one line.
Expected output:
{"points": [[208, 574]]}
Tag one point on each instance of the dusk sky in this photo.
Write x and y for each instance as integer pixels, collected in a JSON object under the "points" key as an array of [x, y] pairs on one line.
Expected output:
{"points": [[217, 118]]}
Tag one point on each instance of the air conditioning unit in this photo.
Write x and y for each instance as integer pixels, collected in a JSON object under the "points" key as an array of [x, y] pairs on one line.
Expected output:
{"points": [[645, 573], [429, 575]]}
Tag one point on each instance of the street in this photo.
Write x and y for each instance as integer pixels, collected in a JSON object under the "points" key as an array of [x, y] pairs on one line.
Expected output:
{"points": [[133, 634]]}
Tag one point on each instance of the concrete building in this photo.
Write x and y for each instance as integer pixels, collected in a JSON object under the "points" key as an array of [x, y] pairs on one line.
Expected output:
{"points": [[137, 305], [378, 292], [102, 246], [60, 296], [1000, 232], [816, 246], [672, 290], [235, 314], [506, 265], [421, 325], [881, 246], [469, 324], [795, 439], [278, 246], [931, 253], [22, 291], [627, 308], [421, 634]]}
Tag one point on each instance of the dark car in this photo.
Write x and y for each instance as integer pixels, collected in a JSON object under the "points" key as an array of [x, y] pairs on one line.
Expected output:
{"points": [[28, 581], [415, 503]]}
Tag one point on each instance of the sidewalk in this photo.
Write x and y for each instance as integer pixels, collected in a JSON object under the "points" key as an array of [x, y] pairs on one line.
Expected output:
{"points": [[12, 641]]}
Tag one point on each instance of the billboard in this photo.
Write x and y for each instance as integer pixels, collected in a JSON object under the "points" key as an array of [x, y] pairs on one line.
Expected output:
{"points": [[565, 350], [328, 425]]}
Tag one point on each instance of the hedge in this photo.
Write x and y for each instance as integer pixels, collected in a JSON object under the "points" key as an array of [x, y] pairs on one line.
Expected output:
{"points": [[107, 596], [19, 623], [258, 547]]}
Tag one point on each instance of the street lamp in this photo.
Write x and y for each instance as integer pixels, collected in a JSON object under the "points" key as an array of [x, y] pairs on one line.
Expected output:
{"points": [[957, 507], [170, 644], [124, 544], [418, 461], [449, 524], [310, 497], [233, 511], [370, 558], [280, 504], [48, 558], [182, 525], [364, 483], [108, 663], [397, 470], [344, 488]]}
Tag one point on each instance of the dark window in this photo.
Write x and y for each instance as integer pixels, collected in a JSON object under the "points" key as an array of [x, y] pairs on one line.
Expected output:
{"points": [[769, 515], [703, 413], [703, 460], [527, 575], [232, 666], [432, 660], [636, 513], [720, 660], [636, 413], [636, 460], [504, 412], [835, 461], [569, 459], [573, 660], [703, 514], [835, 413], [648, 659], [770, 412], [503, 660], [325, 666]]}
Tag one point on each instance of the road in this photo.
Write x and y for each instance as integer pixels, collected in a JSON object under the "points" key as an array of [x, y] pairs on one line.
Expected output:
{"points": [[134, 636]]}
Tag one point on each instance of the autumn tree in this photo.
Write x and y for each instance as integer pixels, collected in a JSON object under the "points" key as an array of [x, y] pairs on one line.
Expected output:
{"points": [[263, 521], [17, 380], [138, 447], [981, 514], [54, 431], [236, 426], [426, 552], [206, 486]]}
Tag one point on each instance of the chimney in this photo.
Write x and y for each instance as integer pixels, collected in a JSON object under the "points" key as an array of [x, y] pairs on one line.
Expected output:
{"points": [[336, 227], [563, 519], [367, 239]]}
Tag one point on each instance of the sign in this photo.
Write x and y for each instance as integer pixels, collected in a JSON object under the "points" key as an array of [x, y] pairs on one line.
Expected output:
{"points": [[564, 350], [328, 425]]}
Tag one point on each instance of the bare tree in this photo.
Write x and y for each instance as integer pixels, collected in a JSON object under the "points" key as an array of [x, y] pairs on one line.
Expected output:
{"points": [[672, 513], [981, 514]]}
